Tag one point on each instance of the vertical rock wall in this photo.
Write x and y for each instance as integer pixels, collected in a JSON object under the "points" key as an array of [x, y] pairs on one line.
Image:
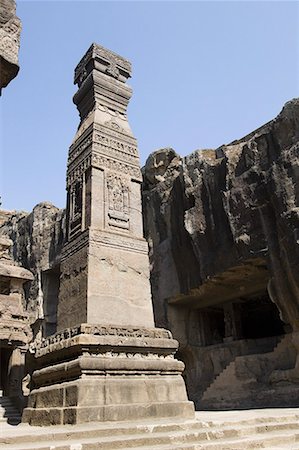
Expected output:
{"points": [[236, 206], [10, 29]]}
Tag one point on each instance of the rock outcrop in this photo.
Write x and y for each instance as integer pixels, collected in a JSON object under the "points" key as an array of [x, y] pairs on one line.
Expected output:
{"points": [[223, 231], [218, 210], [37, 241], [10, 30]]}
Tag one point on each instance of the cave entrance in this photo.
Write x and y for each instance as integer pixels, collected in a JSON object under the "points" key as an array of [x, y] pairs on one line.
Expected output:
{"points": [[260, 318], [251, 317]]}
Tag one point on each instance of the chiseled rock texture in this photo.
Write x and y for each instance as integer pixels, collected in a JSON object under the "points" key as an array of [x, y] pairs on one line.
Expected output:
{"points": [[10, 30], [233, 207], [37, 241]]}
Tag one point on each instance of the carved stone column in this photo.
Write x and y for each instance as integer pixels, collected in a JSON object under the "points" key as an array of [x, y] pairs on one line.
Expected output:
{"points": [[107, 362]]}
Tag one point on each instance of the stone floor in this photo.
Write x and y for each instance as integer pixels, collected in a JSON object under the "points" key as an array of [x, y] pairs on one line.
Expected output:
{"points": [[265, 428]]}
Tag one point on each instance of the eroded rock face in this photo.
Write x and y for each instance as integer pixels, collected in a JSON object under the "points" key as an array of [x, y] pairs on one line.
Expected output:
{"points": [[222, 227], [231, 209], [10, 30], [37, 241]]}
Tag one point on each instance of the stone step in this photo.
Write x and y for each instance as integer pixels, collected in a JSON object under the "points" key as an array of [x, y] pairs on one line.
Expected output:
{"points": [[273, 441], [235, 379], [104, 430], [8, 412], [272, 432]]}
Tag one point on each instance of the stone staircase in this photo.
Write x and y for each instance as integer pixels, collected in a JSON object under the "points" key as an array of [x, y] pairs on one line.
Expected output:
{"points": [[245, 430], [8, 412], [244, 382]]}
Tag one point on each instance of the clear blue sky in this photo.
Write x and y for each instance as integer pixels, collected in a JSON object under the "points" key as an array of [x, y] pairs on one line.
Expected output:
{"points": [[204, 74]]}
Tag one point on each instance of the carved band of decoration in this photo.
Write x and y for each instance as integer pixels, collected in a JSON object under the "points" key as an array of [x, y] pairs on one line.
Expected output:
{"points": [[100, 330], [112, 147], [118, 202], [112, 59], [119, 242], [80, 71], [110, 130], [130, 355], [75, 152], [75, 245], [116, 144], [113, 70], [117, 166], [78, 171], [117, 154], [102, 162]]}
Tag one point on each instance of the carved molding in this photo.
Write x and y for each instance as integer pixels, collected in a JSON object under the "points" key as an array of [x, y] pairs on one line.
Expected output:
{"points": [[100, 330], [113, 62], [103, 162], [118, 242], [75, 245], [77, 150]]}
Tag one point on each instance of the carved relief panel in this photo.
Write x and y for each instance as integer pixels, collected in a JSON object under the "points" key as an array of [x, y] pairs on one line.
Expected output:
{"points": [[75, 207], [118, 202]]}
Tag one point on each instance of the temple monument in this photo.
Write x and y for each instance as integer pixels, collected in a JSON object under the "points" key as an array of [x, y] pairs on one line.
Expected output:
{"points": [[107, 362]]}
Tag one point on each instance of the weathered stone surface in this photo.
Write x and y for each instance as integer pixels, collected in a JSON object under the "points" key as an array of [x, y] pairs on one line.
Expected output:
{"points": [[37, 241], [223, 232], [15, 333], [10, 29], [104, 266]]}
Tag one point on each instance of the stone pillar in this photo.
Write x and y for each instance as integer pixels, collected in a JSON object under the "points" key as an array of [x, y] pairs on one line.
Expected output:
{"points": [[107, 361], [232, 321], [16, 372]]}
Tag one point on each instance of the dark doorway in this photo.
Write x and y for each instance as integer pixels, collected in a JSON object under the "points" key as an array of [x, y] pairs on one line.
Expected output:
{"points": [[260, 318], [5, 354]]}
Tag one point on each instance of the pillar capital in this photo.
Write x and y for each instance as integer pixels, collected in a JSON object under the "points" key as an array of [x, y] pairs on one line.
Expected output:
{"points": [[101, 77]]}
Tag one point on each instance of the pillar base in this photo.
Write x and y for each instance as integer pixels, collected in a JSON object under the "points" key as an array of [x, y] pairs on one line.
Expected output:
{"points": [[96, 373]]}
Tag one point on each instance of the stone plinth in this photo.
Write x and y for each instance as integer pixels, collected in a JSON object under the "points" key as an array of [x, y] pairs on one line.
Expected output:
{"points": [[105, 373], [115, 365]]}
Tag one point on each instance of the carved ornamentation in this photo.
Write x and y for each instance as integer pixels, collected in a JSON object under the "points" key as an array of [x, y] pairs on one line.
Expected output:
{"points": [[75, 245], [118, 202], [117, 166], [102, 238], [100, 330], [114, 63], [76, 199], [113, 70], [77, 150]]}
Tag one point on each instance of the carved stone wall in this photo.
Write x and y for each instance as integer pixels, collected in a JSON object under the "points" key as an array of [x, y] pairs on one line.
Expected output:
{"points": [[231, 209], [37, 241], [222, 226]]}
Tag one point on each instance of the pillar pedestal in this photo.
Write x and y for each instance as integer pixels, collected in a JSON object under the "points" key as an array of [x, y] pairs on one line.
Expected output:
{"points": [[98, 373]]}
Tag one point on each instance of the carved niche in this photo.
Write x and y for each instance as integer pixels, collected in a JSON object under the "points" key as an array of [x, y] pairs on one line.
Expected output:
{"points": [[118, 201], [76, 206]]}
